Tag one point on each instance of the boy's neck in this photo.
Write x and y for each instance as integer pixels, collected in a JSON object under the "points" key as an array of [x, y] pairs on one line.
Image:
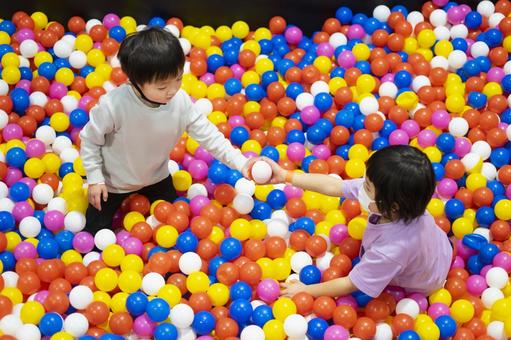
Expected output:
{"points": [[140, 95]]}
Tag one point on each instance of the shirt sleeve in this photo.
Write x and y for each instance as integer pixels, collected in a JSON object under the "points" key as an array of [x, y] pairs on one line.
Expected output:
{"points": [[351, 187], [211, 139], [92, 139], [374, 272]]}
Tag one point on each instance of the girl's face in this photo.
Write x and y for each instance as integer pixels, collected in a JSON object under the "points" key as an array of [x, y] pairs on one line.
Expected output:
{"points": [[369, 189]]}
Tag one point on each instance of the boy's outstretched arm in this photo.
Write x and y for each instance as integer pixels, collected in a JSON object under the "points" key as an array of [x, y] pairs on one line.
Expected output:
{"points": [[333, 288]]}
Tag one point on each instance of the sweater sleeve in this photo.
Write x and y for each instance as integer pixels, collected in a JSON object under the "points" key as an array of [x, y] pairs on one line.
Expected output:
{"points": [[92, 139], [211, 139]]}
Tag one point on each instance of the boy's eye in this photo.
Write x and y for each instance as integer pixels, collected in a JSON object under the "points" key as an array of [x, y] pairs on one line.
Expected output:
{"points": [[161, 88]]}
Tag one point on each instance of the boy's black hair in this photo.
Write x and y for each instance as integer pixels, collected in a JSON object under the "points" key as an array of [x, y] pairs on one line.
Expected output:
{"points": [[404, 181], [153, 54]]}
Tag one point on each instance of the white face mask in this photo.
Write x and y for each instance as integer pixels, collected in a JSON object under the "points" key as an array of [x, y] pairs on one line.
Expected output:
{"points": [[364, 199]]}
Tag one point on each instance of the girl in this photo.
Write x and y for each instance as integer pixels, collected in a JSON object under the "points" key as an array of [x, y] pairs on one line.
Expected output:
{"points": [[401, 246]]}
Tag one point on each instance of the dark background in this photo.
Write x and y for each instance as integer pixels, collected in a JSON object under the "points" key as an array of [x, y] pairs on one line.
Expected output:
{"points": [[307, 14]]}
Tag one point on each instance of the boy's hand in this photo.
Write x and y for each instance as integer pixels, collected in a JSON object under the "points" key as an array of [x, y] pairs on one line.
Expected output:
{"points": [[278, 174], [290, 289], [247, 168], [95, 193]]}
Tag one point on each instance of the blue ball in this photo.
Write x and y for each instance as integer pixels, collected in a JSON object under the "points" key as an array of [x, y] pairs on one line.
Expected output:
{"points": [[380, 143], [65, 168], [388, 127], [19, 191], [84, 72], [454, 208], [270, 152], [109, 336], [477, 100], [316, 328], [215, 61], [268, 78], [310, 274], [255, 92], [7, 222], [78, 118], [403, 79], [214, 263], [233, 86], [136, 303], [266, 46], [305, 223], [261, 315], [473, 20], [50, 324], [203, 322], [459, 44], [233, 176], [240, 290], [359, 18], [371, 25], [276, 199], [118, 33], [230, 248], [8, 27], [47, 70], [439, 171], [217, 174], [295, 136], [239, 135], [362, 298], [186, 242], [8, 260], [323, 101], [157, 22], [165, 331], [474, 241], [496, 187], [316, 135], [474, 264], [447, 326], [241, 310], [500, 157], [325, 125], [293, 90], [20, 100], [231, 57], [488, 252], [157, 310], [345, 118], [445, 142], [48, 248], [408, 335], [65, 240], [344, 15], [26, 73], [485, 216], [261, 211], [307, 162]]}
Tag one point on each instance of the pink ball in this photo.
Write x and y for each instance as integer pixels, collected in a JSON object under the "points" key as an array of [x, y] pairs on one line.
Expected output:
{"points": [[25, 250], [24, 209], [338, 233], [411, 127], [336, 332], [30, 182], [495, 74], [426, 138], [235, 121], [440, 119], [187, 159], [421, 300], [310, 115], [464, 252], [54, 220], [97, 45], [397, 292], [41, 296], [13, 175], [465, 9], [462, 146], [205, 337], [398, 137], [35, 148], [143, 326], [440, 3], [485, 270], [268, 290], [237, 71], [295, 152], [25, 85], [292, 192], [438, 309], [133, 245], [110, 20], [83, 242], [57, 90], [122, 236], [197, 203], [503, 259], [447, 188], [24, 34], [346, 59], [476, 284], [389, 77], [325, 49], [356, 31], [208, 78], [12, 131], [455, 15], [82, 103], [210, 186], [347, 300], [198, 169], [458, 263], [203, 155], [321, 151], [293, 35]]}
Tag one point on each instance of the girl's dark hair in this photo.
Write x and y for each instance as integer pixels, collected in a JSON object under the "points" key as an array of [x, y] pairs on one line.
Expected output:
{"points": [[404, 181], [153, 54]]}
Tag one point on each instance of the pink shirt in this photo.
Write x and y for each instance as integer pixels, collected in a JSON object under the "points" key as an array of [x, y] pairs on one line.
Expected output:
{"points": [[416, 257]]}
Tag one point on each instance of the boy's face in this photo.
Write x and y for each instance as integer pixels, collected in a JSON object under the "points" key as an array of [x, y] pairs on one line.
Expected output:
{"points": [[162, 91]]}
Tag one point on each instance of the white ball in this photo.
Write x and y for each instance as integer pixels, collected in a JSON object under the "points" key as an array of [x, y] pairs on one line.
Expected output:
{"points": [[486, 8], [152, 221], [508, 132], [10, 324], [196, 189], [497, 277], [419, 82], [60, 144], [104, 238], [438, 18], [388, 89], [323, 262], [76, 324], [204, 106], [470, 160], [281, 215], [295, 325], [70, 103], [28, 48], [6, 204], [152, 282], [457, 59], [4, 191], [496, 330], [490, 296], [186, 334], [189, 262], [80, 297], [185, 45], [109, 86], [495, 19], [141, 27], [277, 227], [10, 279], [337, 39], [78, 59], [408, 306], [173, 167], [91, 23], [442, 33], [69, 155], [299, 260], [414, 18], [369, 105], [28, 332], [439, 61], [458, 127], [181, 315], [38, 98], [252, 332], [303, 100], [173, 29], [481, 148], [42, 193], [30, 227], [489, 171], [261, 172], [507, 70], [46, 134], [243, 203], [479, 49], [4, 87], [293, 277], [91, 257], [74, 221], [381, 13], [383, 332], [244, 186], [459, 31], [70, 39], [62, 49], [484, 232], [319, 87], [58, 203]]}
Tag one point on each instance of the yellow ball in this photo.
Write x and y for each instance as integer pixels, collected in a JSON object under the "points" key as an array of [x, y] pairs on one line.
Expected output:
{"points": [[283, 307], [258, 230], [11, 75], [428, 331], [78, 166], [61, 336], [355, 168], [356, 227], [13, 294], [323, 228], [34, 168], [197, 282], [130, 281], [132, 218], [365, 83], [132, 262], [249, 78], [442, 296], [171, 294], [503, 210], [267, 267], [335, 84], [5, 38], [501, 309], [13, 239], [455, 103], [407, 100], [282, 268], [329, 204], [215, 91], [51, 162], [323, 64], [361, 51], [240, 29], [42, 57], [94, 79], [274, 330], [217, 235], [104, 70], [264, 65], [461, 227], [462, 311], [128, 23], [201, 40], [166, 236], [219, 294], [434, 155], [106, 279], [59, 121], [426, 38], [40, 19], [358, 151], [223, 33], [191, 145], [251, 106], [118, 303], [199, 89], [240, 229], [71, 256], [335, 217], [491, 89], [10, 59], [84, 43], [443, 48], [113, 255], [411, 45], [475, 181], [251, 146], [103, 297], [253, 46], [262, 33], [182, 180], [31, 312], [217, 117]]}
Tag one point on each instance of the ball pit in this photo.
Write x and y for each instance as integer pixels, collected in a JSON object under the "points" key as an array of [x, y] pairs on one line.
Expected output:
{"points": [[209, 264]]}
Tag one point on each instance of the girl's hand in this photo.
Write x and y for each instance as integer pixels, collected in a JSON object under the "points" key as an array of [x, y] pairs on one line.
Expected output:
{"points": [[290, 289], [278, 173], [96, 192]]}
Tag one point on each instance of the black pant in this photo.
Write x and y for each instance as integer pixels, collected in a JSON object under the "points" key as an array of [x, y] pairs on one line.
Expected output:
{"points": [[97, 220]]}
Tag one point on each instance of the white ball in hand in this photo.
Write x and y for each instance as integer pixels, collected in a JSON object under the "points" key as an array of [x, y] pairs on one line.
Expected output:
{"points": [[261, 172]]}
